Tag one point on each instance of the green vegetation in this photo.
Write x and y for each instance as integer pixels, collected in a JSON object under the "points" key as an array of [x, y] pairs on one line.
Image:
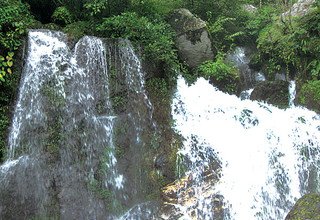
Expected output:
{"points": [[6, 64], [221, 74], [156, 38], [309, 94], [12, 28], [291, 44], [4, 124], [78, 29], [96, 187], [97, 184], [55, 135], [62, 16]]}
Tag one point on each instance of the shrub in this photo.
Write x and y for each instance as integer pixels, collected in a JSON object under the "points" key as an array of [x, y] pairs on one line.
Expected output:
{"points": [[12, 28], [224, 33], [309, 95], [12, 24], [220, 73], [150, 8], [62, 16], [156, 38], [259, 20], [292, 44], [78, 29]]}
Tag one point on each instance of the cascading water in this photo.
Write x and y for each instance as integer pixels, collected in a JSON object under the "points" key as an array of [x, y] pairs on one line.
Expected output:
{"points": [[78, 142], [267, 157], [63, 159], [241, 61], [292, 93]]}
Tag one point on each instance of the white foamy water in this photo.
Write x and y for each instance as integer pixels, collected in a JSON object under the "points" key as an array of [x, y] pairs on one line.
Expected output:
{"points": [[292, 92], [269, 157]]}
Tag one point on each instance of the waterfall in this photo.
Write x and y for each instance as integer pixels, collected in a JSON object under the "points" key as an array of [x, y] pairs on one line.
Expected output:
{"points": [[243, 159], [70, 123], [83, 138], [241, 61], [292, 93]]}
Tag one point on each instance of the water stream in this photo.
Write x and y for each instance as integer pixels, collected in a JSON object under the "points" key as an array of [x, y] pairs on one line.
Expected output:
{"points": [[63, 156], [83, 125], [268, 157]]}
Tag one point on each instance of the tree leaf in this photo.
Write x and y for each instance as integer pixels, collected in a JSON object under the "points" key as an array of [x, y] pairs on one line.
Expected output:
{"points": [[11, 54], [9, 63]]}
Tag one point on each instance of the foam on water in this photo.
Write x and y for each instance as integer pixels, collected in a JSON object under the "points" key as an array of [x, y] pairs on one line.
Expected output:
{"points": [[266, 153]]}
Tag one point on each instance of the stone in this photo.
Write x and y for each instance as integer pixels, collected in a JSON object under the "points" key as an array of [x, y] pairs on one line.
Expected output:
{"points": [[250, 8], [272, 92], [183, 193], [300, 8], [192, 38], [306, 208]]}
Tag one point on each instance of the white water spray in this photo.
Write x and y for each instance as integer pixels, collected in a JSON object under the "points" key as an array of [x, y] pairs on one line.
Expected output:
{"points": [[269, 157], [292, 93]]}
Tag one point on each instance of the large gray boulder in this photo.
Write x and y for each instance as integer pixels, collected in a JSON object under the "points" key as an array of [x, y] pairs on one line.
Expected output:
{"points": [[272, 92], [192, 38]]}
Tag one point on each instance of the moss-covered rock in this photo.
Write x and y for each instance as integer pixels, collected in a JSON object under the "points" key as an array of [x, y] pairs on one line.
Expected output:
{"points": [[309, 95], [306, 208], [192, 38], [273, 92], [182, 21]]}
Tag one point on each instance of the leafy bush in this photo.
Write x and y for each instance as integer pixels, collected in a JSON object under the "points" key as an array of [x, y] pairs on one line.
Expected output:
{"points": [[220, 73], [276, 48], [150, 8], [156, 38], [4, 124], [224, 33], [309, 94], [12, 28], [103, 8], [259, 20], [96, 7], [293, 45], [12, 24], [307, 39], [213, 9], [62, 16], [5, 65], [78, 29]]}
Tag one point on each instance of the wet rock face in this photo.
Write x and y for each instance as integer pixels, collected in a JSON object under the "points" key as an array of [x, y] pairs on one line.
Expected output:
{"points": [[307, 207], [181, 193], [273, 92], [192, 40], [77, 136]]}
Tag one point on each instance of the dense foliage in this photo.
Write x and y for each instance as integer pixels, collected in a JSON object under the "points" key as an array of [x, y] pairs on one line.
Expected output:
{"points": [[155, 37], [293, 45], [309, 94], [222, 74], [12, 28]]}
